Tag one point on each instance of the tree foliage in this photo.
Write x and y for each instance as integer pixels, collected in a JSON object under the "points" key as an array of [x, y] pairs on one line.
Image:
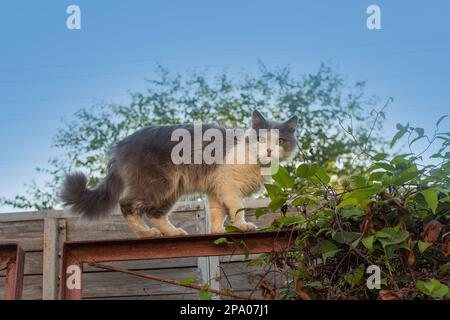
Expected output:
{"points": [[320, 99]]}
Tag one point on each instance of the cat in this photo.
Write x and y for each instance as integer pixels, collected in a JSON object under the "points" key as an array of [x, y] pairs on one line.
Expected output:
{"points": [[144, 181]]}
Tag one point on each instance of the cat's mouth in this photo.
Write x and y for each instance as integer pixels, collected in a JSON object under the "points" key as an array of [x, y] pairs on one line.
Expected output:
{"points": [[272, 156], [267, 159]]}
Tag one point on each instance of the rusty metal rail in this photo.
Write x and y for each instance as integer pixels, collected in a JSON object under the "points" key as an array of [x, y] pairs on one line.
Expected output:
{"points": [[76, 253], [12, 259]]}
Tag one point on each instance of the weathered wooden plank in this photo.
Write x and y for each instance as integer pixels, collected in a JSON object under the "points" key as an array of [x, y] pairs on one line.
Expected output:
{"points": [[32, 215], [149, 264], [40, 215], [33, 264], [241, 277], [32, 288], [115, 284], [28, 234], [238, 257], [149, 296]]}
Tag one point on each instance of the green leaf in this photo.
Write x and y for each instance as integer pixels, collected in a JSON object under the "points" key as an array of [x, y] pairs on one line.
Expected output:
{"points": [[260, 212], [189, 280], [386, 180], [277, 203], [315, 284], [390, 236], [359, 274], [353, 212], [441, 292], [359, 181], [397, 137], [401, 159], [222, 241], [231, 228], [354, 278], [400, 127], [377, 176], [356, 242], [304, 171], [423, 246], [283, 178], [433, 288], [380, 156], [381, 165], [273, 191], [244, 246], [307, 199], [326, 248], [361, 194], [420, 131], [406, 176], [204, 295], [431, 198], [348, 202], [320, 173], [368, 242], [288, 221], [345, 236]]}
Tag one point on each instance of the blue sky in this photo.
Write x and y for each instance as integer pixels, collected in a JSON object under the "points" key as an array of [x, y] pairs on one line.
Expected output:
{"points": [[47, 72]]}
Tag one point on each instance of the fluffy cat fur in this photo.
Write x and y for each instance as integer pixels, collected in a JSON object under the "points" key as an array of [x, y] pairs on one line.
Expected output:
{"points": [[145, 183]]}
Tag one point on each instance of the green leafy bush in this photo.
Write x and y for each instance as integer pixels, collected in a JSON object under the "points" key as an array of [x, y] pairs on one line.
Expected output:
{"points": [[393, 215]]}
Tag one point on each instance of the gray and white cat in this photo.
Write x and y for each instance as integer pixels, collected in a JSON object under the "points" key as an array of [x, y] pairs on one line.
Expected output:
{"points": [[144, 180]]}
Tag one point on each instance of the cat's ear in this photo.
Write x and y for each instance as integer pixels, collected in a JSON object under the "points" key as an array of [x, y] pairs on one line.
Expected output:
{"points": [[257, 119], [291, 123]]}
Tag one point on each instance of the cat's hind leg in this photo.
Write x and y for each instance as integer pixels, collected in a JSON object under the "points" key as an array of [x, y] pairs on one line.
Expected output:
{"points": [[159, 217], [163, 224], [136, 222], [217, 211], [232, 203]]}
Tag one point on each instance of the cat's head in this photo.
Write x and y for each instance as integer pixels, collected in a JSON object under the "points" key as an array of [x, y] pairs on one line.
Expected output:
{"points": [[279, 144]]}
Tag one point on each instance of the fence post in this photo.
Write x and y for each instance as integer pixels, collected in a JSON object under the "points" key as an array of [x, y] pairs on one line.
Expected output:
{"points": [[50, 259], [209, 266]]}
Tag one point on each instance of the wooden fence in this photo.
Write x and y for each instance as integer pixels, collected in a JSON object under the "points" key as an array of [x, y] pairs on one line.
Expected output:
{"points": [[41, 235]]}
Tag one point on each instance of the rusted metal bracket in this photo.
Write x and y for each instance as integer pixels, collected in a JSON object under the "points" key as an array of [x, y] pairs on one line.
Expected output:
{"points": [[12, 259], [75, 253]]}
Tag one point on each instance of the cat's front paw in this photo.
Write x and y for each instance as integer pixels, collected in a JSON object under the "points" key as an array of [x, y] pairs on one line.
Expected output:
{"points": [[246, 226], [218, 230], [177, 232], [182, 232], [150, 233]]}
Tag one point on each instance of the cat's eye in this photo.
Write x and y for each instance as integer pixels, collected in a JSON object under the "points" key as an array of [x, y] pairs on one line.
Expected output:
{"points": [[281, 141]]}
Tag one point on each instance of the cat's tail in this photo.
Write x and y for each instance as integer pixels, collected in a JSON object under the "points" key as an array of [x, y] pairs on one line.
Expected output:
{"points": [[91, 203]]}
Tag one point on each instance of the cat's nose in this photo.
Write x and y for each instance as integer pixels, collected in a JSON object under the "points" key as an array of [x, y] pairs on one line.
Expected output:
{"points": [[269, 152]]}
